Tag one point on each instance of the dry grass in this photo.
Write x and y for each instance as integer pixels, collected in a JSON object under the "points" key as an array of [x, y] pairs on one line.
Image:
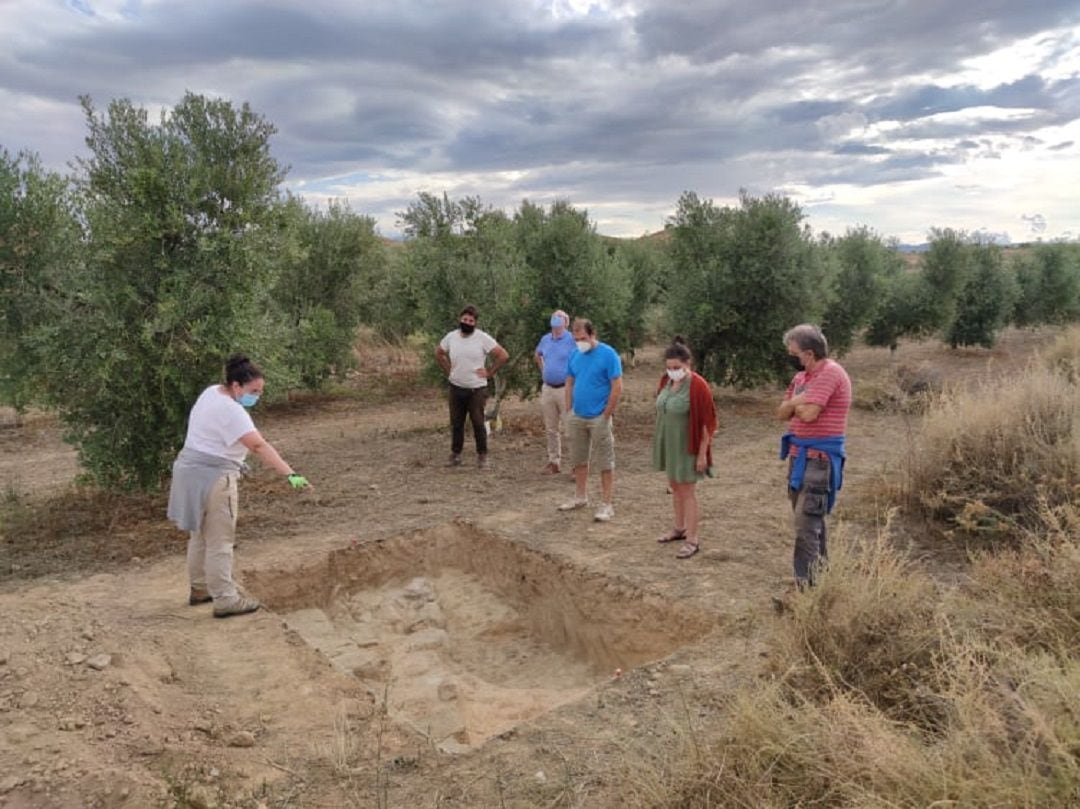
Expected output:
{"points": [[886, 696], [1063, 356], [990, 458], [883, 691]]}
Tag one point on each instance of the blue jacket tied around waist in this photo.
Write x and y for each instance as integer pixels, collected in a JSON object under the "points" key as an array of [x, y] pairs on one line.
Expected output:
{"points": [[832, 445]]}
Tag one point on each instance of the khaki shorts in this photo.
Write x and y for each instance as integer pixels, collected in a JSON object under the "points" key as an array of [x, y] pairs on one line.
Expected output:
{"points": [[590, 438]]}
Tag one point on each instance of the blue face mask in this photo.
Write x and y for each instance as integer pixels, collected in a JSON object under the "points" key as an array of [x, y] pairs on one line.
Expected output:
{"points": [[248, 399], [556, 321]]}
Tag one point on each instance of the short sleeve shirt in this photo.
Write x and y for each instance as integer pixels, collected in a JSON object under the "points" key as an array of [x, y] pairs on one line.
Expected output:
{"points": [[829, 386], [593, 372], [556, 354], [216, 424], [467, 353]]}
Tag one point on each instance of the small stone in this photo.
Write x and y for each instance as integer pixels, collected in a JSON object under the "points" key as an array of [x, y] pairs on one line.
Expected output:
{"points": [[447, 691], [679, 668], [87, 634], [29, 699], [540, 777], [204, 727], [99, 662], [242, 738], [215, 772], [75, 658], [9, 784], [5, 655], [150, 747], [67, 723]]}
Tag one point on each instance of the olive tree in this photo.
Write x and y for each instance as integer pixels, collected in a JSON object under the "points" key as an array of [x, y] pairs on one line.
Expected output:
{"points": [[181, 232], [739, 277], [39, 237]]}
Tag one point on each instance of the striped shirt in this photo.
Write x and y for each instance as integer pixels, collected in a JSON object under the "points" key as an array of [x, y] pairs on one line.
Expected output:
{"points": [[827, 385]]}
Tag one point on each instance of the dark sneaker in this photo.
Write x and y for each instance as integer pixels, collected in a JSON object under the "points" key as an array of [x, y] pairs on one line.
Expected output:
{"points": [[241, 605], [199, 595], [455, 460], [482, 462]]}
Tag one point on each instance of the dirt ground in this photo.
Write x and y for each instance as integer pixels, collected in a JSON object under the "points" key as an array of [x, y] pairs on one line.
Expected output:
{"points": [[432, 637]]}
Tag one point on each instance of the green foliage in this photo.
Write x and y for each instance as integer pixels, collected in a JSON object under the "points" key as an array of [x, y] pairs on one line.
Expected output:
{"points": [[180, 259], [327, 287], [570, 267], [985, 300], [864, 265], [1049, 285], [516, 271], [945, 268], [39, 236], [903, 312], [739, 278]]}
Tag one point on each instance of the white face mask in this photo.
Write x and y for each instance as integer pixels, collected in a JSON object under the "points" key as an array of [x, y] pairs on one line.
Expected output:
{"points": [[675, 374], [583, 346]]}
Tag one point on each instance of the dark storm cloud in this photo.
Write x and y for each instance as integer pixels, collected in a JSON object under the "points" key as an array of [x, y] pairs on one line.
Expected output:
{"points": [[705, 94]]}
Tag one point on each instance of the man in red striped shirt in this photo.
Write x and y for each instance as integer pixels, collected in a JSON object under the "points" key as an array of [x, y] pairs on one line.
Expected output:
{"points": [[816, 407]]}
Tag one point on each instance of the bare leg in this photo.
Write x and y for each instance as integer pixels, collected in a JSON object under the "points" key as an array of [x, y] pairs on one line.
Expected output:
{"points": [[677, 506], [581, 480]]}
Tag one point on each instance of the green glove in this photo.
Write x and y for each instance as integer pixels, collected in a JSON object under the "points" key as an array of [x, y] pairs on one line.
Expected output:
{"points": [[298, 481]]}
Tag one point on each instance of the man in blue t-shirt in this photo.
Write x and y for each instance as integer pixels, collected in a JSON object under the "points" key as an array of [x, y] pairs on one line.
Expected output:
{"points": [[552, 356], [593, 388]]}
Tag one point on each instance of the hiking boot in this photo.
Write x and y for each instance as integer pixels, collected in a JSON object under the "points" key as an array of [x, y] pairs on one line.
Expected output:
{"points": [[604, 513], [241, 605], [455, 459], [482, 462], [199, 595], [551, 469], [577, 502]]}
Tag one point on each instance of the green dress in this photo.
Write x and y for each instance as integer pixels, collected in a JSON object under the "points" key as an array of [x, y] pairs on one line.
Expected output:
{"points": [[670, 450]]}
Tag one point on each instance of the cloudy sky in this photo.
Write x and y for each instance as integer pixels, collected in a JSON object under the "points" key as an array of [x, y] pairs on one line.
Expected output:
{"points": [[898, 114]]}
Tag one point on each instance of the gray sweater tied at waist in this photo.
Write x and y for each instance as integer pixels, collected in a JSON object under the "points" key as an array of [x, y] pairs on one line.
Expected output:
{"points": [[194, 475]]}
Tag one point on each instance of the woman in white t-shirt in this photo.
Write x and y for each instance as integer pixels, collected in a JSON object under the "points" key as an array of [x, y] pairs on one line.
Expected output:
{"points": [[203, 495]]}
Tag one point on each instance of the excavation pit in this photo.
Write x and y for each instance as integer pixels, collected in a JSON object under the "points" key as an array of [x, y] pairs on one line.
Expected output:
{"points": [[468, 634]]}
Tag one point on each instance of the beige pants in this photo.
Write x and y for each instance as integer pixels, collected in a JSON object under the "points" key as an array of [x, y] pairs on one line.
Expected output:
{"points": [[210, 549], [553, 406]]}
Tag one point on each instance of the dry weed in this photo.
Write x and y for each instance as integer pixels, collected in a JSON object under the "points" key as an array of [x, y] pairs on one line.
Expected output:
{"points": [[1063, 357], [868, 628], [987, 458]]}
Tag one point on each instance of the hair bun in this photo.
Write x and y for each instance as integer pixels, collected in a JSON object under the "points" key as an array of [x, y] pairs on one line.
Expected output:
{"points": [[678, 340], [236, 360]]}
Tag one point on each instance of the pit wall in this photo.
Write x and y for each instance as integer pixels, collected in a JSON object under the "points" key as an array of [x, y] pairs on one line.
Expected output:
{"points": [[604, 620]]}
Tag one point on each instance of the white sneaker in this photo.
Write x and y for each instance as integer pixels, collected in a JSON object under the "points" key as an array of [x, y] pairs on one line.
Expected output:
{"points": [[577, 502], [604, 513]]}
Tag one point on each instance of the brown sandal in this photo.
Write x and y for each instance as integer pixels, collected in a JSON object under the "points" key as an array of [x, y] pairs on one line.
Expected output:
{"points": [[674, 535], [687, 550]]}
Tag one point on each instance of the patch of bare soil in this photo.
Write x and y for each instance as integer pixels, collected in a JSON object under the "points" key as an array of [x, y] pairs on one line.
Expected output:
{"points": [[433, 637]]}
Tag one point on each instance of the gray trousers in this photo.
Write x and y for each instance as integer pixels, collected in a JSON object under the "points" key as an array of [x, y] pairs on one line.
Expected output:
{"points": [[809, 505]]}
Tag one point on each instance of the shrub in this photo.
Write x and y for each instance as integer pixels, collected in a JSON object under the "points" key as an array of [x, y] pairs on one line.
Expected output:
{"points": [[836, 727], [988, 460], [869, 629]]}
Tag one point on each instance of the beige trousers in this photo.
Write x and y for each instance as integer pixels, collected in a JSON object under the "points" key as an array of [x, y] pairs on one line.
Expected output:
{"points": [[210, 549], [553, 406]]}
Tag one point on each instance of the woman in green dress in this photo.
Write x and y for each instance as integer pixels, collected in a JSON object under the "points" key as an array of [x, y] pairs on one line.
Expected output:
{"points": [[682, 444]]}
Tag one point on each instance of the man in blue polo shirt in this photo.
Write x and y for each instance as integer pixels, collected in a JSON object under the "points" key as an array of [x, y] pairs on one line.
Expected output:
{"points": [[552, 357], [593, 388]]}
